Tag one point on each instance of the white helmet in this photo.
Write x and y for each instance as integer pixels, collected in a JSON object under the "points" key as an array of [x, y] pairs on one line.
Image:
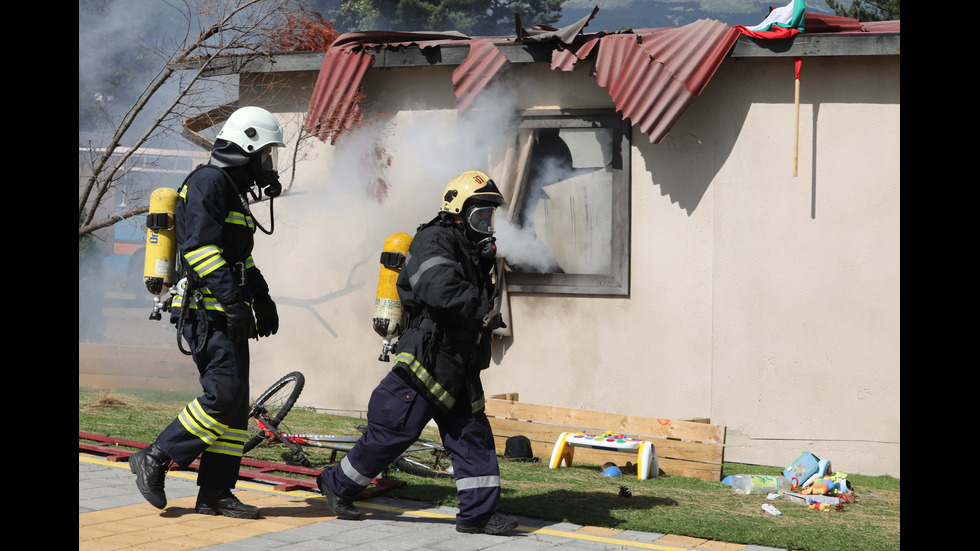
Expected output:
{"points": [[252, 129]]}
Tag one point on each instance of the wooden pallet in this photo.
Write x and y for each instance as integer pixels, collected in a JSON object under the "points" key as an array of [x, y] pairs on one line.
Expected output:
{"points": [[684, 448]]}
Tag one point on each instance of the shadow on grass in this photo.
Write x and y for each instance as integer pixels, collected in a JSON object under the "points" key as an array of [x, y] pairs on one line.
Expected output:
{"points": [[576, 507]]}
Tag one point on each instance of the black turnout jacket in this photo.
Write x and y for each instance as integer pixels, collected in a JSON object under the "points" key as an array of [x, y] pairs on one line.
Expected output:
{"points": [[446, 289], [215, 236]]}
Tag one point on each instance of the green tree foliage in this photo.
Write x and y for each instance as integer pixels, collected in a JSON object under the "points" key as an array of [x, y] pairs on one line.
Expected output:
{"points": [[470, 17], [868, 10]]}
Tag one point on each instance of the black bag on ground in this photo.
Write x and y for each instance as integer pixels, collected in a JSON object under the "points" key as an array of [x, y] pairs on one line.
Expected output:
{"points": [[518, 448]]}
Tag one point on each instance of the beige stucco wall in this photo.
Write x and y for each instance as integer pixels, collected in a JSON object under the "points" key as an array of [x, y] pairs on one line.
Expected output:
{"points": [[765, 302]]}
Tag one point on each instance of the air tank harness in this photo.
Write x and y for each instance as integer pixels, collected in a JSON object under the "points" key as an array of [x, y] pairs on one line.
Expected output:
{"points": [[194, 294]]}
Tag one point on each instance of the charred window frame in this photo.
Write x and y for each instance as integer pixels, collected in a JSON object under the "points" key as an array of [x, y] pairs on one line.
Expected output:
{"points": [[580, 216]]}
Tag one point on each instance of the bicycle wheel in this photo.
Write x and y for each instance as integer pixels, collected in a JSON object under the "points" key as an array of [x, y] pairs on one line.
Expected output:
{"points": [[426, 459], [277, 400]]}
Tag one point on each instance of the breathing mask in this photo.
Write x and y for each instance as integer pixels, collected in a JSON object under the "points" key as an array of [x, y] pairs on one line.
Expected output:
{"points": [[264, 171], [480, 229]]}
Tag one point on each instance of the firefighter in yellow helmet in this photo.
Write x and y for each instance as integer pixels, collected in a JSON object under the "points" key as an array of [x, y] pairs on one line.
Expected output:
{"points": [[226, 302], [448, 288]]}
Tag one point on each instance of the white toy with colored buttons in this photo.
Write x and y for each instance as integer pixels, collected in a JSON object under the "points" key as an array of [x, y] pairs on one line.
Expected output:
{"points": [[646, 454]]}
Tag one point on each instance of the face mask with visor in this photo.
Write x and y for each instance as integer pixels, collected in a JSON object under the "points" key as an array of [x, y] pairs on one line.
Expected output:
{"points": [[479, 219], [265, 174], [479, 224]]}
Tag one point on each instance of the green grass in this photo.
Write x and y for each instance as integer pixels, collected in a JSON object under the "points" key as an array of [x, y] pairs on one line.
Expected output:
{"points": [[580, 494]]}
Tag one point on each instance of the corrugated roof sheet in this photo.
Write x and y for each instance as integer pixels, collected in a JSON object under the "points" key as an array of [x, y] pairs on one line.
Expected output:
{"points": [[476, 72], [823, 23], [334, 108], [652, 75]]}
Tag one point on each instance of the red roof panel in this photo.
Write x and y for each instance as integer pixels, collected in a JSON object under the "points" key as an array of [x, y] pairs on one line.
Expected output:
{"points": [[652, 75], [476, 71], [333, 107]]}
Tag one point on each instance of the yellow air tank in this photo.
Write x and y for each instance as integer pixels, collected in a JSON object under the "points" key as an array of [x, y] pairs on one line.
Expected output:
{"points": [[161, 245], [387, 319]]}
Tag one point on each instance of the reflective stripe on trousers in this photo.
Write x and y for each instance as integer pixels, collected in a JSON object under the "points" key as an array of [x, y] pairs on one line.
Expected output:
{"points": [[468, 439], [213, 425]]}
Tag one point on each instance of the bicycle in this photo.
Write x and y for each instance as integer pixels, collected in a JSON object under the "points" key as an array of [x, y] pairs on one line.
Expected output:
{"points": [[425, 458]]}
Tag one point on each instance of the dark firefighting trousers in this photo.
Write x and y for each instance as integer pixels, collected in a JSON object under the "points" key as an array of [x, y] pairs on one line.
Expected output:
{"points": [[213, 425], [396, 416]]}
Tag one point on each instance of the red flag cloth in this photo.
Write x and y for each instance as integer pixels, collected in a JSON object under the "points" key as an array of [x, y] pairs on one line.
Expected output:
{"points": [[784, 22]]}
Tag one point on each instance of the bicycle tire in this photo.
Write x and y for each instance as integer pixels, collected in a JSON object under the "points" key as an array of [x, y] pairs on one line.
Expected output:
{"points": [[424, 458], [431, 461], [278, 399]]}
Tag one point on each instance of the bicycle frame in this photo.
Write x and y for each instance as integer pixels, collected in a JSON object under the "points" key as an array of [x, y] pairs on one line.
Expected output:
{"points": [[295, 442]]}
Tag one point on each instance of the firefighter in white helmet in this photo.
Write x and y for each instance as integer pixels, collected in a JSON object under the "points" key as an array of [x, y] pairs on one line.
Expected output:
{"points": [[215, 313], [448, 288]]}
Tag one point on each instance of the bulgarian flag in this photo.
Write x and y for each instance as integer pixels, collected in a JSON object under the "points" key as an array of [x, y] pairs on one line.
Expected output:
{"points": [[784, 22]]}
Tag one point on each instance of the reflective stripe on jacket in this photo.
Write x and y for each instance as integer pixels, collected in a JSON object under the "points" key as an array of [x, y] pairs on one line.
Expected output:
{"points": [[215, 236], [445, 290]]}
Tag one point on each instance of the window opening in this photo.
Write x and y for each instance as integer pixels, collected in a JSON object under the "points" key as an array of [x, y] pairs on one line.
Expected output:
{"points": [[572, 206]]}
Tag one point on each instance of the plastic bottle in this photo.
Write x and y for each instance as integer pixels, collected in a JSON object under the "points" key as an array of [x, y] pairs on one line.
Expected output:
{"points": [[760, 484]]}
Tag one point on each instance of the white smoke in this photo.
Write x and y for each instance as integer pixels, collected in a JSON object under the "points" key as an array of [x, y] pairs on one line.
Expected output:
{"points": [[521, 247], [426, 152]]}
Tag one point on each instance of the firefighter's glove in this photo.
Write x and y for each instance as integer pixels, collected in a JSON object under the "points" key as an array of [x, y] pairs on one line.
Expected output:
{"points": [[241, 323], [266, 316], [493, 320]]}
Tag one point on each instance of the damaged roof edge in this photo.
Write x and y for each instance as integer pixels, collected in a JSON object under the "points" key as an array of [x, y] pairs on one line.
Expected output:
{"points": [[803, 45]]}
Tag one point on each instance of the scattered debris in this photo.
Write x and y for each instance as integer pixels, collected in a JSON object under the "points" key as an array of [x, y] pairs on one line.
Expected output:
{"points": [[820, 489], [819, 505]]}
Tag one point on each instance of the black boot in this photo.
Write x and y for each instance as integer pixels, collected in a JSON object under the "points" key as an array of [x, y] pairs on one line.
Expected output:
{"points": [[150, 467], [498, 524], [342, 507], [220, 501]]}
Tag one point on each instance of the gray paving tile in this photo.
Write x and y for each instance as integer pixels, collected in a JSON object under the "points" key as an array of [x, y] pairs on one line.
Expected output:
{"points": [[390, 526]]}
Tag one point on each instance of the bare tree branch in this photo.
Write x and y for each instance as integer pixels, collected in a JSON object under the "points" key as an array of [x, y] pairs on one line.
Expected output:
{"points": [[237, 27]]}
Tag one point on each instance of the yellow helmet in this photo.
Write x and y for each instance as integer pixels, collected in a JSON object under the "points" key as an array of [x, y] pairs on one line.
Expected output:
{"points": [[470, 185]]}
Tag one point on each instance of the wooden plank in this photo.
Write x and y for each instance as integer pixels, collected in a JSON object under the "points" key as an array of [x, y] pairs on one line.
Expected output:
{"points": [[508, 396], [684, 448], [597, 421], [585, 456], [544, 437]]}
